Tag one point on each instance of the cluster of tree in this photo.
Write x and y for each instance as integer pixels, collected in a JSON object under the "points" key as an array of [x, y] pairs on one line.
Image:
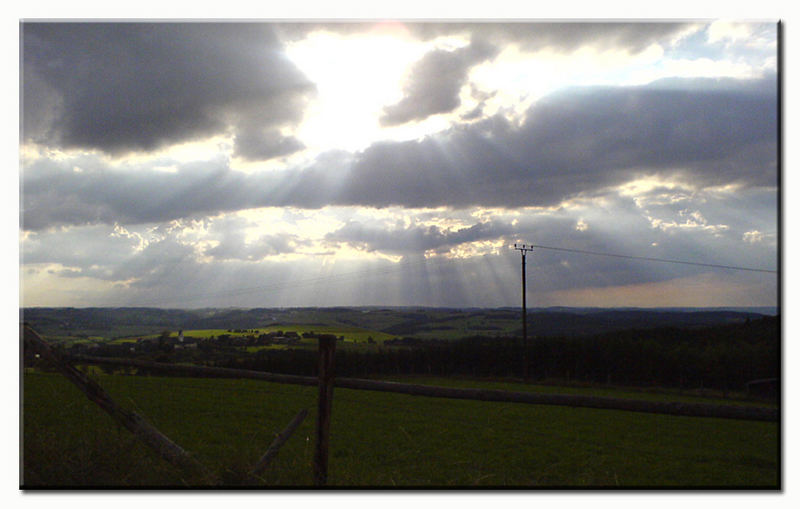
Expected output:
{"points": [[721, 357]]}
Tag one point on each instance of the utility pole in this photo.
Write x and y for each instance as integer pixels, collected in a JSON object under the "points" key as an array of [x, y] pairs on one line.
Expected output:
{"points": [[523, 249]]}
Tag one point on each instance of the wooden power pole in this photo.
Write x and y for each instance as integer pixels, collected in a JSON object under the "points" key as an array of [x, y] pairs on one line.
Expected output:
{"points": [[523, 249]]}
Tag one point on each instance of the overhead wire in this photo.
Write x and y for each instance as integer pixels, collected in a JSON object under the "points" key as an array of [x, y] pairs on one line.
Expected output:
{"points": [[651, 259], [344, 276]]}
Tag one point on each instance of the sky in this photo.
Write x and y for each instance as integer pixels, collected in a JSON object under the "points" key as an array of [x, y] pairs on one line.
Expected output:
{"points": [[190, 165]]}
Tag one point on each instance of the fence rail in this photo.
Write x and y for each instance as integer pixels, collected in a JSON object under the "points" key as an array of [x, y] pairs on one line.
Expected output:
{"points": [[137, 424], [657, 407], [326, 381]]}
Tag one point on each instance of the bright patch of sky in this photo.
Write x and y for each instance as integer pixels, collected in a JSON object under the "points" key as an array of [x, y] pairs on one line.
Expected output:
{"points": [[355, 76]]}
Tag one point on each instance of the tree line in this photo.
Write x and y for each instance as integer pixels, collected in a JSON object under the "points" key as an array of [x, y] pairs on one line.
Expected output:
{"points": [[721, 357]]}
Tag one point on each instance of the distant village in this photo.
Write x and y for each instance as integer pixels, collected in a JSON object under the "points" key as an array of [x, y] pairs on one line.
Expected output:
{"points": [[238, 337]]}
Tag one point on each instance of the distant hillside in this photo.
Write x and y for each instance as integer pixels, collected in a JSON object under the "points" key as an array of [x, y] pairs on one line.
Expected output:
{"points": [[567, 323], [429, 323]]}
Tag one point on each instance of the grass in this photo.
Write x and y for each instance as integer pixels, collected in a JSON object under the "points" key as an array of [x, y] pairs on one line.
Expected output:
{"points": [[381, 439], [647, 394]]}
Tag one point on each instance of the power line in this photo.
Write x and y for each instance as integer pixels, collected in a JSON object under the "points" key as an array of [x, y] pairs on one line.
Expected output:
{"points": [[650, 259], [411, 263]]}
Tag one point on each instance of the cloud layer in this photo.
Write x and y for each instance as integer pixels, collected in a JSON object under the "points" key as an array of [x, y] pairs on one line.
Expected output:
{"points": [[163, 158], [560, 36], [573, 142], [435, 83], [123, 87]]}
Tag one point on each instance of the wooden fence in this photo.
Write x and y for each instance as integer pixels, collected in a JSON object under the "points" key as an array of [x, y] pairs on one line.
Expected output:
{"points": [[326, 381]]}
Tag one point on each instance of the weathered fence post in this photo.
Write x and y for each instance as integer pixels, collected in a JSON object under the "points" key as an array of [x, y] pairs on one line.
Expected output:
{"points": [[135, 423], [327, 350]]}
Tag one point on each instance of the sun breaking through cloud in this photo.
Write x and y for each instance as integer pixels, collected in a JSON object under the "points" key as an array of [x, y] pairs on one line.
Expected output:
{"points": [[289, 164]]}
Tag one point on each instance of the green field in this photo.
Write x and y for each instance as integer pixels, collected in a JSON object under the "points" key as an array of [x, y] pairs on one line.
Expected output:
{"points": [[382, 439], [351, 334]]}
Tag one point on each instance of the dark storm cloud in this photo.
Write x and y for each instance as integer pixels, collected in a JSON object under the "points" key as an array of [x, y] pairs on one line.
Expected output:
{"points": [[628, 36], [578, 141], [564, 36], [234, 247], [414, 239], [78, 247], [435, 81], [229, 233], [166, 259], [54, 193], [120, 87], [261, 144]]}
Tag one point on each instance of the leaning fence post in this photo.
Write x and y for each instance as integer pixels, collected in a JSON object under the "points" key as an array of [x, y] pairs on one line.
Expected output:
{"points": [[327, 350], [276, 444], [135, 423]]}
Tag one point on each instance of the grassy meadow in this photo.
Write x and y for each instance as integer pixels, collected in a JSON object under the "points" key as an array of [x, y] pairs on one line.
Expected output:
{"points": [[351, 334], [382, 439]]}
